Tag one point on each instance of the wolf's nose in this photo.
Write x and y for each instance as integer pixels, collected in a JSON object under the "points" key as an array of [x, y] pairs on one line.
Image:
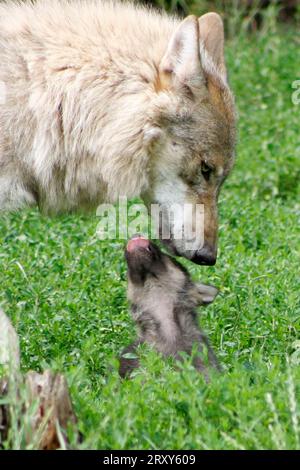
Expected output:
{"points": [[205, 257], [137, 241]]}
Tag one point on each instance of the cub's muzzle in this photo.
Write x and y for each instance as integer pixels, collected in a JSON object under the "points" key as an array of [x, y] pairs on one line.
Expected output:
{"points": [[137, 243], [143, 259]]}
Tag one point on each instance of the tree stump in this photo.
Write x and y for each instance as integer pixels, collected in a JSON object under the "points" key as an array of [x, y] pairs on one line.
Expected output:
{"points": [[47, 401]]}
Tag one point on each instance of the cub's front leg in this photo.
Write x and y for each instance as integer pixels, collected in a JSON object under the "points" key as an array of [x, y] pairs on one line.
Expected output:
{"points": [[128, 364]]}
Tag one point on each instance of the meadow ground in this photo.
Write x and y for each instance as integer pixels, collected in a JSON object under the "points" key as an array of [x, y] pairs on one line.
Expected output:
{"points": [[65, 292]]}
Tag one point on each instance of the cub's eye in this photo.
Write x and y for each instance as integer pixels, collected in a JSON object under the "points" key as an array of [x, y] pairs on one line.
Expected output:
{"points": [[206, 171]]}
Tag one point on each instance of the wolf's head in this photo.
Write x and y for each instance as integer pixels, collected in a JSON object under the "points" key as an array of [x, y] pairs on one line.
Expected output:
{"points": [[191, 136], [157, 281]]}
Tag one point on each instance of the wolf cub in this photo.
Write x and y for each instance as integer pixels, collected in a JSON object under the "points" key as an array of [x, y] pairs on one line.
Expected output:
{"points": [[164, 300]]}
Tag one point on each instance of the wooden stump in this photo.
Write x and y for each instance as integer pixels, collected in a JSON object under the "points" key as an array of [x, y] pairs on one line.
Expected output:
{"points": [[47, 400], [54, 411]]}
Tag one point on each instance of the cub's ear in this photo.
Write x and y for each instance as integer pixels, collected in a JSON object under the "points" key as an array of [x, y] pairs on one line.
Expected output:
{"points": [[211, 34], [181, 62], [207, 294]]}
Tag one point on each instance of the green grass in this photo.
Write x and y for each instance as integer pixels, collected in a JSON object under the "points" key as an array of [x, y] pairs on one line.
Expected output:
{"points": [[66, 293]]}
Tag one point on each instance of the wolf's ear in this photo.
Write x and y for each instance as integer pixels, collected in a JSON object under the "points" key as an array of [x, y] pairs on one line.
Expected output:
{"points": [[211, 34], [207, 294], [181, 62]]}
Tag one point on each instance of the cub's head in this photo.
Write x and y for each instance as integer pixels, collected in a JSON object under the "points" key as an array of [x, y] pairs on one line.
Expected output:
{"points": [[191, 138], [154, 278]]}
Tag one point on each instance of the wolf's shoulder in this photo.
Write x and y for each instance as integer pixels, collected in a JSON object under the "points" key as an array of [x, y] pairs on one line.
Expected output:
{"points": [[104, 28], [79, 15]]}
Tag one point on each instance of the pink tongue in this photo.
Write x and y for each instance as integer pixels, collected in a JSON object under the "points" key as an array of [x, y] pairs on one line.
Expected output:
{"points": [[138, 242]]}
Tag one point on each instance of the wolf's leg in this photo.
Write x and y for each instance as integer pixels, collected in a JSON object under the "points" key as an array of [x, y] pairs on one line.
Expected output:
{"points": [[14, 194], [213, 360], [127, 364], [198, 361]]}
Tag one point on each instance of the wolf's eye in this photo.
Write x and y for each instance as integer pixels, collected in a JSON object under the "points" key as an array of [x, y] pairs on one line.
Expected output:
{"points": [[206, 171]]}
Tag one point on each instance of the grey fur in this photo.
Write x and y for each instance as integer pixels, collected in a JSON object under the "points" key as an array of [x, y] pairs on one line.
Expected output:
{"points": [[164, 303]]}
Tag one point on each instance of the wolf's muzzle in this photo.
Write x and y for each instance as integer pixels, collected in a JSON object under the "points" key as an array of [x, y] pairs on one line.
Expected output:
{"points": [[205, 257], [137, 242]]}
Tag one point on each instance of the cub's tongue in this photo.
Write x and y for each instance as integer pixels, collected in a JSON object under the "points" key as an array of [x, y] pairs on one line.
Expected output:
{"points": [[137, 242]]}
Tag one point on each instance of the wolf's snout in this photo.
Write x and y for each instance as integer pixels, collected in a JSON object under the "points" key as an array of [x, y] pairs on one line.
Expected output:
{"points": [[206, 257], [137, 242]]}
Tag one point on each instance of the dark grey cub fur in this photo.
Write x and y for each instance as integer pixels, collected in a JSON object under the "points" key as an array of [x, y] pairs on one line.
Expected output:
{"points": [[164, 302]]}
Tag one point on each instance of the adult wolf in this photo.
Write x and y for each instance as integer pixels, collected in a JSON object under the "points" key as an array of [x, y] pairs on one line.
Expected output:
{"points": [[102, 99]]}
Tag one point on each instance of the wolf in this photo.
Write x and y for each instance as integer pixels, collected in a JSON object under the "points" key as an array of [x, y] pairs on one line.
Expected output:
{"points": [[101, 99], [163, 301]]}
